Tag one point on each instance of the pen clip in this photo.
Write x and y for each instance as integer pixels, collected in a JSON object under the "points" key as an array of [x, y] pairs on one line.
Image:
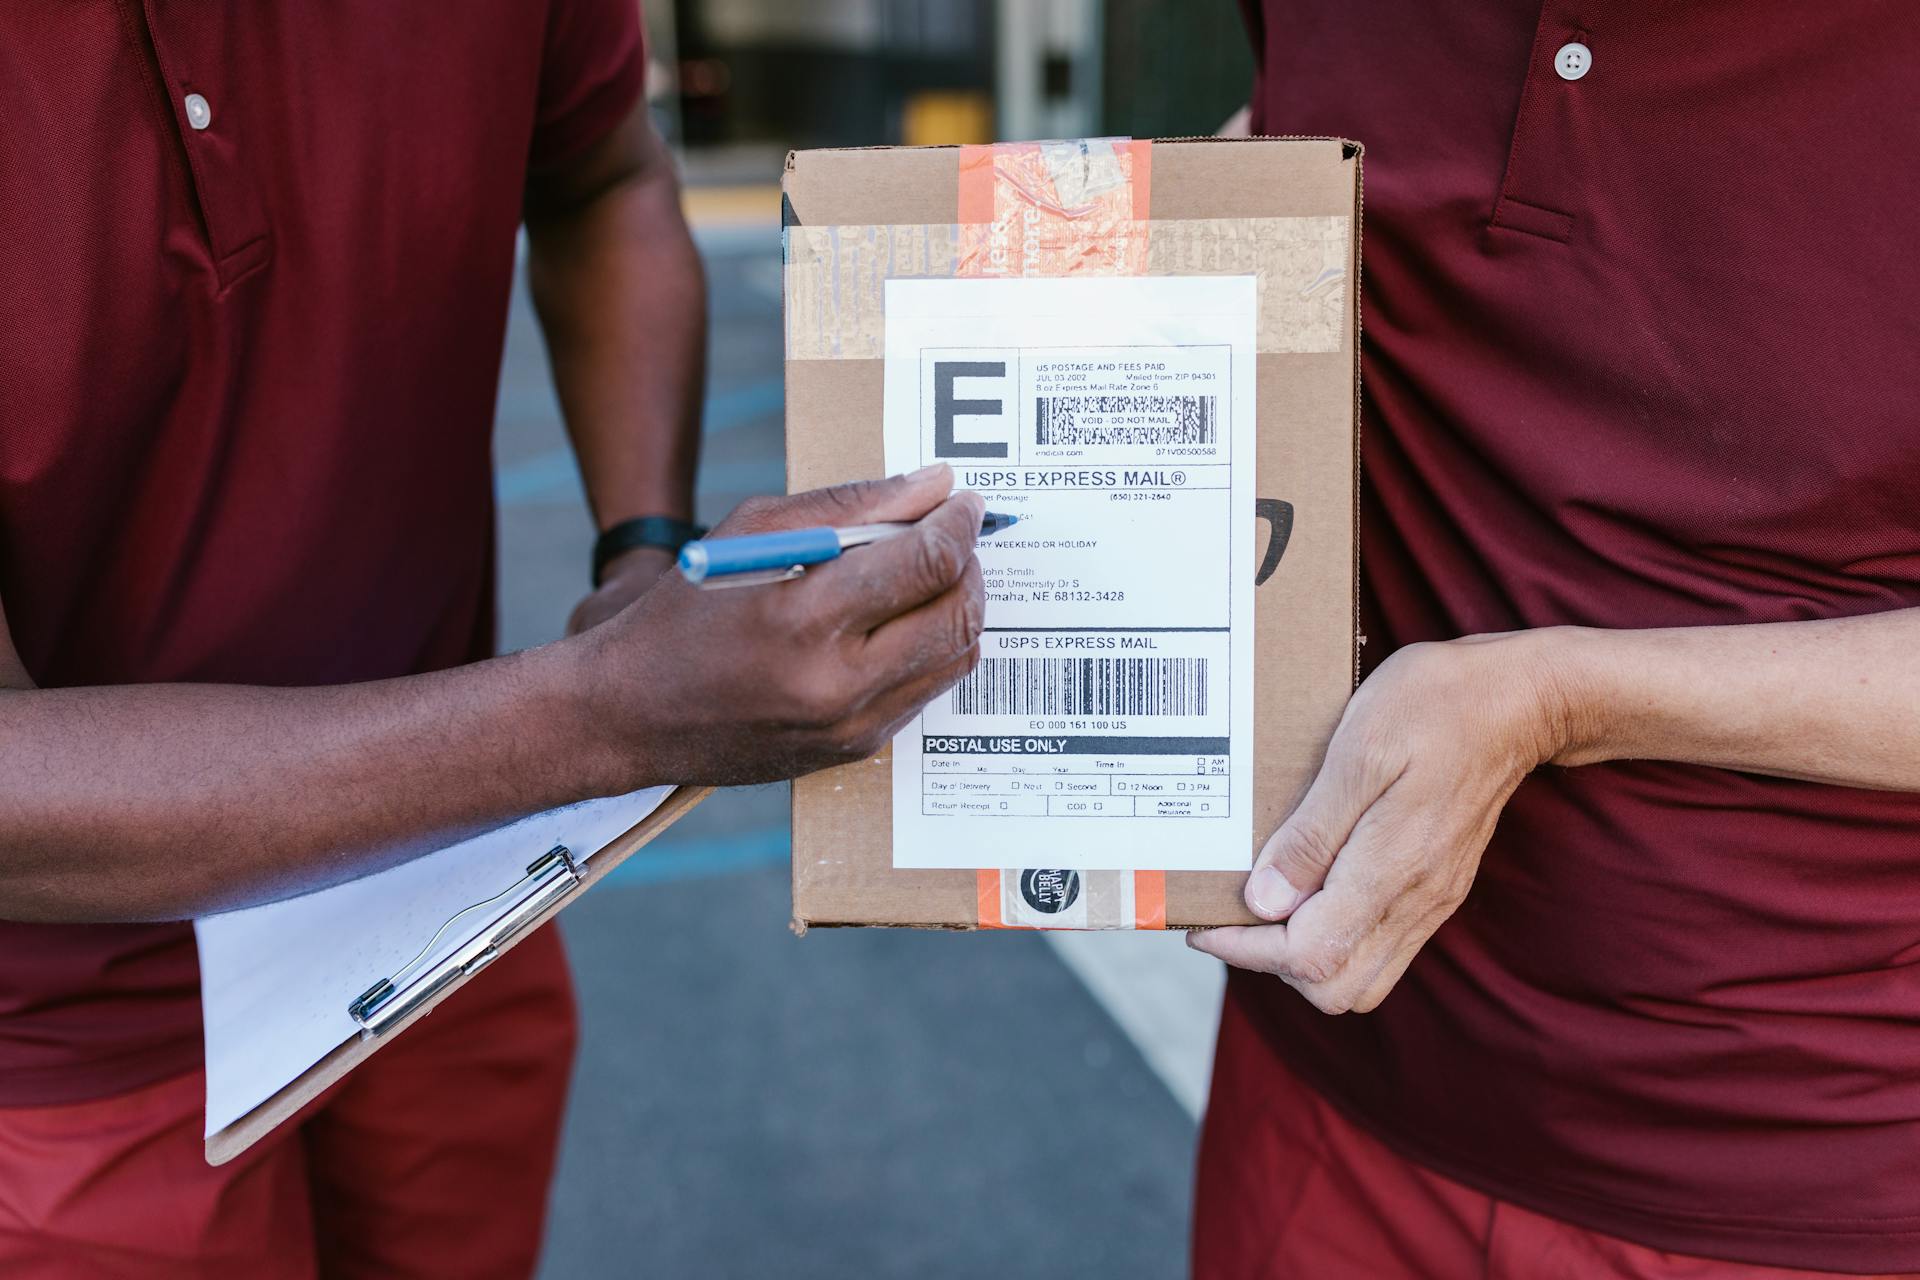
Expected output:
{"points": [[757, 578]]}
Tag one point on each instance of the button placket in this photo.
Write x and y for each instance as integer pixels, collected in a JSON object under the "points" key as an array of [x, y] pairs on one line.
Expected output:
{"points": [[230, 208], [1537, 194]]}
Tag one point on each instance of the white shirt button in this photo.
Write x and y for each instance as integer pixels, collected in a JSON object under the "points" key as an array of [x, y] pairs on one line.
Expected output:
{"points": [[1573, 60], [200, 115]]}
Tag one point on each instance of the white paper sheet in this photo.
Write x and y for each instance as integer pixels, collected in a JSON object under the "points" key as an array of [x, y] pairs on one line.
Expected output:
{"points": [[275, 980], [1109, 725]]}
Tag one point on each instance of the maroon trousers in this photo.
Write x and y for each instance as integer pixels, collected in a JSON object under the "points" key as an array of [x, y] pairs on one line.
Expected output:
{"points": [[430, 1160], [1288, 1187]]}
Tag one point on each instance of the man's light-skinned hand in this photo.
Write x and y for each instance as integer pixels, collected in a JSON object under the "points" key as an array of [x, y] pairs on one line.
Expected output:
{"points": [[1385, 844]]}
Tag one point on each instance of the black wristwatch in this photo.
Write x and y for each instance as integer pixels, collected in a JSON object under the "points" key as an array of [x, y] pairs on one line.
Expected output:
{"points": [[664, 532]]}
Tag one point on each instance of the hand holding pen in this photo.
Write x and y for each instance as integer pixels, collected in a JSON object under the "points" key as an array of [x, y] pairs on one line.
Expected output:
{"points": [[731, 687]]}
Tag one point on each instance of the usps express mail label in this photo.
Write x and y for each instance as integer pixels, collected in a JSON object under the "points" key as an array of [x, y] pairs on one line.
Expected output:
{"points": [[1109, 722]]}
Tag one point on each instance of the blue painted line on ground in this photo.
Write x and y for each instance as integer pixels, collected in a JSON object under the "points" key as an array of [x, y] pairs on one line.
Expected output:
{"points": [[545, 477], [669, 859], [738, 241], [553, 477], [729, 409], [744, 477]]}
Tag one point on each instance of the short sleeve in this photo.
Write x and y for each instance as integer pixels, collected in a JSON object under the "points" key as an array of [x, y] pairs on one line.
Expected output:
{"points": [[592, 70]]}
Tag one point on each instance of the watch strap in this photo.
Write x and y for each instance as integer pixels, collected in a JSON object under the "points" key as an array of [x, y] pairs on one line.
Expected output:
{"points": [[668, 533]]}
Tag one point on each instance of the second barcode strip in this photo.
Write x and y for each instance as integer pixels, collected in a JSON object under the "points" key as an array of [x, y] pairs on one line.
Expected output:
{"points": [[1085, 686]]}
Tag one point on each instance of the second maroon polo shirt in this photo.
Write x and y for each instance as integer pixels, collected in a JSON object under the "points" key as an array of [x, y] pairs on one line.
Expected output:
{"points": [[1641, 349]]}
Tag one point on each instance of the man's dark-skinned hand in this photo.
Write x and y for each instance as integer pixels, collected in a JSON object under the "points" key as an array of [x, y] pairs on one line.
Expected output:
{"points": [[627, 577], [144, 802], [750, 684]]}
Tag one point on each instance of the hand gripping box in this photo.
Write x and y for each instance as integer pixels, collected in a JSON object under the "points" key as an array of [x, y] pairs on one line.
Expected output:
{"points": [[1148, 351]]}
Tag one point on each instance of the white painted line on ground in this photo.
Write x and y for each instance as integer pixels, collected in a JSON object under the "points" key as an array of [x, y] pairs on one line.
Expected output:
{"points": [[1165, 996]]}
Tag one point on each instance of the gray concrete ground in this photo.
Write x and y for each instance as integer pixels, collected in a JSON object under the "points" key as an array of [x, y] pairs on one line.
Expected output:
{"points": [[853, 1103]]}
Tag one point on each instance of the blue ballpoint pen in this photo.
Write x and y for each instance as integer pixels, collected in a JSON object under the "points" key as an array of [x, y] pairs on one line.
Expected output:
{"points": [[776, 557]]}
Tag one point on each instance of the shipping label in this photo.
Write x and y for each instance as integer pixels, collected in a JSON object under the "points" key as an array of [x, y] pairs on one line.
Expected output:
{"points": [[1109, 722]]}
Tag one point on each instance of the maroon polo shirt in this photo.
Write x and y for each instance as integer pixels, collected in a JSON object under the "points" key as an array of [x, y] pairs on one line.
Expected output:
{"points": [[254, 271], [1642, 348]]}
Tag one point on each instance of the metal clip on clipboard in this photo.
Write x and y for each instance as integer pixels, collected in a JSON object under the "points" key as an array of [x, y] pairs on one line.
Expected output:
{"points": [[550, 877]]}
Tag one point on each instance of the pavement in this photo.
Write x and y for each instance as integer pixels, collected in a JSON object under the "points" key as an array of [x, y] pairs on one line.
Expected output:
{"points": [[854, 1102]]}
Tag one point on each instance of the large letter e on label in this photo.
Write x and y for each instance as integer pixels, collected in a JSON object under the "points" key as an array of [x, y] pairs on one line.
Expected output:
{"points": [[946, 408]]}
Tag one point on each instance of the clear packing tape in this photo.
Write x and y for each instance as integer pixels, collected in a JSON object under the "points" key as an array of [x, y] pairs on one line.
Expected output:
{"points": [[1053, 209]]}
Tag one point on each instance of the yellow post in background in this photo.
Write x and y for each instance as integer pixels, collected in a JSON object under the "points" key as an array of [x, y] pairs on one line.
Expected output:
{"points": [[943, 117]]}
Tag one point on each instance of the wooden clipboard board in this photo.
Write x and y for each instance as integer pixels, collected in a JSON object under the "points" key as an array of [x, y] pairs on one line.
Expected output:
{"points": [[235, 1138]]}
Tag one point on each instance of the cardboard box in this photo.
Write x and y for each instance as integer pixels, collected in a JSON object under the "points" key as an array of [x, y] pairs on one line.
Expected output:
{"points": [[1286, 211]]}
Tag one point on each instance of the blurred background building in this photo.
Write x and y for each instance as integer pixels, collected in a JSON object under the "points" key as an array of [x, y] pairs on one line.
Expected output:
{"points": [[773, 74], [855, 1102]]}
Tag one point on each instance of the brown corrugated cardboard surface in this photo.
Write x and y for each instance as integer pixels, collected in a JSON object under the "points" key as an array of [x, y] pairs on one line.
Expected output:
{"points": [[1307, 420]]}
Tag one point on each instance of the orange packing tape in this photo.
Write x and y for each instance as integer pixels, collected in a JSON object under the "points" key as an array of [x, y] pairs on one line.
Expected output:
{"points": [[1055, 208], [1149, 899], [1075, 207], [1060, 899], [987, 886]]}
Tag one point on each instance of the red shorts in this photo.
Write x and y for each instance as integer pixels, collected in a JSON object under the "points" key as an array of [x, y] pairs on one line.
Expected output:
{"points": [[430, 1160], [1289, 1187]]}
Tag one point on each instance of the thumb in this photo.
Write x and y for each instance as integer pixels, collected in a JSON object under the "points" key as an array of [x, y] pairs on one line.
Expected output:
{"points": [[1293, 863]]}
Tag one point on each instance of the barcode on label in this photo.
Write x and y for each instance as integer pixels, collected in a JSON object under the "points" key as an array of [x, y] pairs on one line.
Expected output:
{"points": [[1084, 420], [1084, 686]]}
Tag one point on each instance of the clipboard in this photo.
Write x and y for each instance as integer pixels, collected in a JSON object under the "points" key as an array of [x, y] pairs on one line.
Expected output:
{"points": [[554, 877]]}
